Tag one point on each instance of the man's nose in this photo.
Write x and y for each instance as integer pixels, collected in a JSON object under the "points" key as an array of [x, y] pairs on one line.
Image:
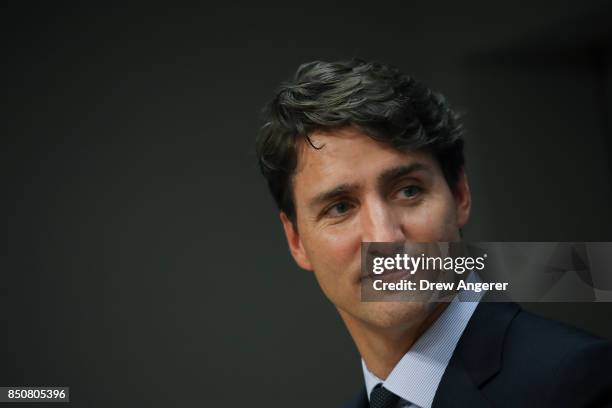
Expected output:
{"points": [[381, 223]]}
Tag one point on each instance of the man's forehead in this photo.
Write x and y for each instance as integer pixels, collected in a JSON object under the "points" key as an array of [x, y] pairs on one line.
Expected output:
{"points": [[322, 147], [346, 157], [334, 150]]}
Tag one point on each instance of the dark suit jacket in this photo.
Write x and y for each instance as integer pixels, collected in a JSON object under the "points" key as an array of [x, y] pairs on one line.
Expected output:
{"points": [[508, 357]]}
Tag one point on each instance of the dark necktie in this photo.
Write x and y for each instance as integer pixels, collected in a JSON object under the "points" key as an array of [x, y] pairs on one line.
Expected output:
{"points": [[382, 398]]}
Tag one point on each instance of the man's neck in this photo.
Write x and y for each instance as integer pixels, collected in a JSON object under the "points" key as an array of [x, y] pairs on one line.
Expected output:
{"points": [[383, 348]]}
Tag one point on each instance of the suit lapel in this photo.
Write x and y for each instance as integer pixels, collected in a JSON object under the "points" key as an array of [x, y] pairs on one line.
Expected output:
{"points": [[477, 356], [359, 401], [457, 389]]}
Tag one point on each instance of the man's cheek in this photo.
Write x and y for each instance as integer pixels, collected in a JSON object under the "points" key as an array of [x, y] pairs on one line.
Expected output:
{"points": [[434, 223], [422, 227], [330, 280]]}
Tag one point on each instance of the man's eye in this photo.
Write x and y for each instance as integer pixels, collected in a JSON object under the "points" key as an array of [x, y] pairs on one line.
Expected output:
{"points": [[410, 191], [339, 209]]}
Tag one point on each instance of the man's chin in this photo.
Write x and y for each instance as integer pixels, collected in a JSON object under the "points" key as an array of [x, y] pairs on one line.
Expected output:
{"points": [[394, 315]]}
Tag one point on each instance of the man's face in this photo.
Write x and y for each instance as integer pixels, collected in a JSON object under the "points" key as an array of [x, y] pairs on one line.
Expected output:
{"points": [[356, 189]]}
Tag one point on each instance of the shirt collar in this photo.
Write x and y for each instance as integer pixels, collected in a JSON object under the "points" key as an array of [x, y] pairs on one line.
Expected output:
{"points": [[417, 375]]}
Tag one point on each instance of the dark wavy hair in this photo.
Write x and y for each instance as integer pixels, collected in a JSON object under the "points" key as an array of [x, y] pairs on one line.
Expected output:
{"points": [[378, 99]]}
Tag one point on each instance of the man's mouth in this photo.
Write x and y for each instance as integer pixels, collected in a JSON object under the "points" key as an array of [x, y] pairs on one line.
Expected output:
{"points": [[388, 276]]}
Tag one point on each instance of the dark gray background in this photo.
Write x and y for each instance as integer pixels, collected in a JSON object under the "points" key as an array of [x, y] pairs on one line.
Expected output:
{"points": [[143, 260]]}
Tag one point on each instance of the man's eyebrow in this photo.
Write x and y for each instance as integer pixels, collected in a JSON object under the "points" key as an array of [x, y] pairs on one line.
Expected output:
{"points": [[338, 191], [394, 173]]}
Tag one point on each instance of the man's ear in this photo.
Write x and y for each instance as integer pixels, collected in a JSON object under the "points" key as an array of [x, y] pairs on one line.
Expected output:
{"points": [[463, 199], [295, 243]]}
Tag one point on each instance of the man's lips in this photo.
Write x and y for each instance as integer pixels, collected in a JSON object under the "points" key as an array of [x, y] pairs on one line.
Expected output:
{"points": [[387, 275]]}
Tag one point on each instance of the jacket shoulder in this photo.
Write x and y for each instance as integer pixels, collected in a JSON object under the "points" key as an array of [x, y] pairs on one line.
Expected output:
{"points": [[563, 365], [543, 340]]}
